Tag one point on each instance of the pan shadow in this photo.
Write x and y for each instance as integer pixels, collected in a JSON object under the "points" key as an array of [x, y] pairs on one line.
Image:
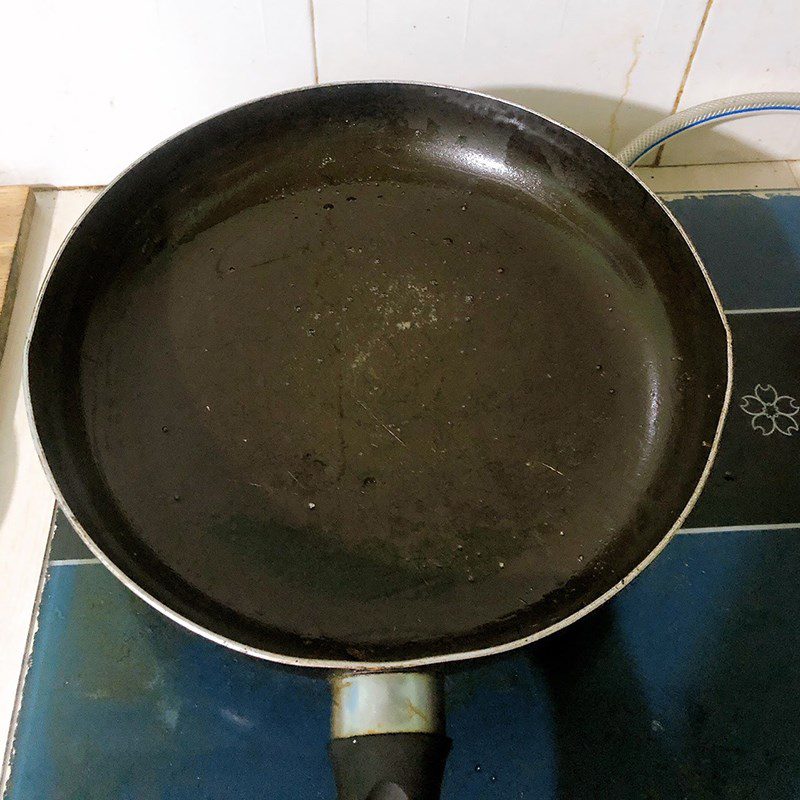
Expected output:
{"points": [[605, 738], [682, 688], [605, 120]]}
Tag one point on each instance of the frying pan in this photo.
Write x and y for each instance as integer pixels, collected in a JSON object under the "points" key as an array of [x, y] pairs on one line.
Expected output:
{"points": [[375, 376]]}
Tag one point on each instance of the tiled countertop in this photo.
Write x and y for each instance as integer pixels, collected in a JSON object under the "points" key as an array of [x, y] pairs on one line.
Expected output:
{"points": [[683, 686]]}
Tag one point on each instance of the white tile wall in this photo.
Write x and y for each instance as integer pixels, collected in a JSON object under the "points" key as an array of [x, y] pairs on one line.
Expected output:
{"points": [[89, 85]]}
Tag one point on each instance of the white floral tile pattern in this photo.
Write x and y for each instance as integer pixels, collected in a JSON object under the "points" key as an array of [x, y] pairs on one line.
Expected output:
{"points": [[770, 412]]}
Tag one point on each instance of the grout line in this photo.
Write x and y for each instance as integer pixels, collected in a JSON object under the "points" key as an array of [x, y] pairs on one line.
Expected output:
{"points": [[613, 122], [314, 41], [8, 754], [665, 167], [39, 187], [465, 35], [687, 69], [758, 190], [73, 562], [767, 526], [785, 310]]}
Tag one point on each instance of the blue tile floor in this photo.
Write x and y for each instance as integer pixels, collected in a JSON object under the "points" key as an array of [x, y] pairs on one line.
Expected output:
{"points": [[683, 686]]}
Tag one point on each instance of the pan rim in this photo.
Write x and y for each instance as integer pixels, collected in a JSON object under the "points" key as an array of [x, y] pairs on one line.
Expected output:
{"points": [[392, 664]]}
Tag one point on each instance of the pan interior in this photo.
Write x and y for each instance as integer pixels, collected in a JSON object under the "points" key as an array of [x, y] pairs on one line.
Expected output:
{"points": [[397, 385]]}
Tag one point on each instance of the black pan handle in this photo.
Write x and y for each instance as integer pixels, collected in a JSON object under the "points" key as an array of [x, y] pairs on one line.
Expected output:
{"points": [[388, 740], [389, 766]]}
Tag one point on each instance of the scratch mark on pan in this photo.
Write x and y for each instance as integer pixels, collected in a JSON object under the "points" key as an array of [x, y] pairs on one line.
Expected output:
{"points": [[552, 469], [467, 15], [385, 427], [613, 122], [295, 479]]}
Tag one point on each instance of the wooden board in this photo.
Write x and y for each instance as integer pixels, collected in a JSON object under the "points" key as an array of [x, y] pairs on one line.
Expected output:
{"points": [[16, 210]]}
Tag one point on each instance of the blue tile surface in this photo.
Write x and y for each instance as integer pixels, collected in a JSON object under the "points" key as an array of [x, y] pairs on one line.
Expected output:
{"points": [[756, 475], [120, 703], [750, 245], [683, 686]]}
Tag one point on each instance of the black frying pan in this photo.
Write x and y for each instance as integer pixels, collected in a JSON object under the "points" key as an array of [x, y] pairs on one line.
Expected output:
{"points": [[377, 375]]}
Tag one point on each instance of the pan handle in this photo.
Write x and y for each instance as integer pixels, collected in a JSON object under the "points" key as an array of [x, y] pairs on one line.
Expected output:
{"points": [[387, 735]]}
